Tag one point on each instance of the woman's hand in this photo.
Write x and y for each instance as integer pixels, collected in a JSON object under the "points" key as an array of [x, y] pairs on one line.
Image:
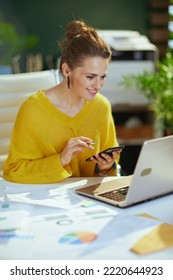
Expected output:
{"points": [[105, 161], [74, 146]]}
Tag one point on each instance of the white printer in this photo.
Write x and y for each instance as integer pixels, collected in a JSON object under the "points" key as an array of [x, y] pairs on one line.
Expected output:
{"points": [[132, 53]]}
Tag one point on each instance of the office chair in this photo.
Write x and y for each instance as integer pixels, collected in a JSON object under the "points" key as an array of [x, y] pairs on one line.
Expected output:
{"points": [[14, 89]]}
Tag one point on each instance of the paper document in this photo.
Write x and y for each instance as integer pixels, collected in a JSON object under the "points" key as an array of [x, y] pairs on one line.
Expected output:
{"points": [[158, 239]]}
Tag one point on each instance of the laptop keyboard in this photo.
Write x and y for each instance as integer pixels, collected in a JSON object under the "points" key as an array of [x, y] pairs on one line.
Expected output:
{"points": [[117, 195]]}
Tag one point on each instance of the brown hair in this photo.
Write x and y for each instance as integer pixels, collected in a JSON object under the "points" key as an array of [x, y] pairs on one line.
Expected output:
{"points": [[81, 41]]}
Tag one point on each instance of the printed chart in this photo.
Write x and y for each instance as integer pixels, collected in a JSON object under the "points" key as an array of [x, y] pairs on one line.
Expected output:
{"points": [[14, 233], [78, 238]]}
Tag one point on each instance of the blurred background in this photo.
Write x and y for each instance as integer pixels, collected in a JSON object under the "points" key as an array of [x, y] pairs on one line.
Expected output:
{"points": [[30, 30], [46, 20]]}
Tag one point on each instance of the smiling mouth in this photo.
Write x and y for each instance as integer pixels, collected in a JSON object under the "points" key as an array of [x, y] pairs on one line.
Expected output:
{"points": [[92, 92]]}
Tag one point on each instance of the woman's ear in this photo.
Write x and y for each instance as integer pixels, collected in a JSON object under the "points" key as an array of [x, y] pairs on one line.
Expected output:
{"points": [[65, 69]]}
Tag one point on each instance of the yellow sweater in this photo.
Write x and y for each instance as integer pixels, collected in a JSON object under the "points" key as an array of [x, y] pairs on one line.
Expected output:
{"points": [[40, 133]]}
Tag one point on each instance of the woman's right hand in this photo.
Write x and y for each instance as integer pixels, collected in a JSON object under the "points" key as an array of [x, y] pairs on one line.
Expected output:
{"points": [[74, 146]]}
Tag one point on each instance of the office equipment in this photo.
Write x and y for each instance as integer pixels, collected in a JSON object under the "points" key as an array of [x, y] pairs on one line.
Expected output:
{"points": [[152, 177], [51, 222], [132, 53], [108, 151]]}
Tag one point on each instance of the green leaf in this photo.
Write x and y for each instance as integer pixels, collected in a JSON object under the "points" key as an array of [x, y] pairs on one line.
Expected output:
{"points": [[12, 43]]}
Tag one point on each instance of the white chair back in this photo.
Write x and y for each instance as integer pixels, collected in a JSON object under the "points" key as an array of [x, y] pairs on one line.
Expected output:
{"points": [[14, 89]]}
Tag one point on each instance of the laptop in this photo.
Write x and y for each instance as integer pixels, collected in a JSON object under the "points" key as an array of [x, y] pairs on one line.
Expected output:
{"points": [[152, 177]]}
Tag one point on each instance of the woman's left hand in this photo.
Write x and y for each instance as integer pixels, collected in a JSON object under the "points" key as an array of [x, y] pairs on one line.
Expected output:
{"points": [[105, 161]]}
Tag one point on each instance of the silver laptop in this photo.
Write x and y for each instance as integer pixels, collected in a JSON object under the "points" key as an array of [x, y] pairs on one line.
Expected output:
{"points": [[152, 177]]}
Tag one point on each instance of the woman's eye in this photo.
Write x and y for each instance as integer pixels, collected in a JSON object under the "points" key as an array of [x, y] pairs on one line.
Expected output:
{"points": [[90, 77], [104, 77]]}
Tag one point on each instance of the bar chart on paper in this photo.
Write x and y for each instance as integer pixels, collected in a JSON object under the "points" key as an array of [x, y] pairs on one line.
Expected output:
{"points": [[78, 238], [15, 233]]}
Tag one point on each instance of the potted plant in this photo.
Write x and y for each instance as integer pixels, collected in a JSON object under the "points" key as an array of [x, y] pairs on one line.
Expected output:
{"points": [[157, 86], [11, 43]]}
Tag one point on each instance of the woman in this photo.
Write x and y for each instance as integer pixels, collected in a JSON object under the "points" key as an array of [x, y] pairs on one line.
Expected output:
{"points": [[57, 129]]}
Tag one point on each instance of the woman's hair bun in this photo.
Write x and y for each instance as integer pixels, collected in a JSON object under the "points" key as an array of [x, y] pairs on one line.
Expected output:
{"points": [[76, 28]]}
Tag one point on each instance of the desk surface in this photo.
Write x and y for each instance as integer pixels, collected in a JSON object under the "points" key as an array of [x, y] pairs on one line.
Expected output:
{"points": [[52, 222]]}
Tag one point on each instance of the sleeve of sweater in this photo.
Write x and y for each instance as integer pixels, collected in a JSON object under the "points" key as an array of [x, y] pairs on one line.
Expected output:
{"points": [[109, 139], [28, 161]]}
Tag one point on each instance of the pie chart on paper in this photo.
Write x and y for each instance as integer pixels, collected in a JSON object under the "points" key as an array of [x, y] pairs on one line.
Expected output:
{"points": [[77, 238]]}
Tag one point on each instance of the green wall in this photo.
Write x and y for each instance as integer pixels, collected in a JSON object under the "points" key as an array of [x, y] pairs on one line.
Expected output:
{"points": [[47, 18]]}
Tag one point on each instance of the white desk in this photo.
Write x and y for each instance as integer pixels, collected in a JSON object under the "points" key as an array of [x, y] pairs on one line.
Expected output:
{"points": [[46, 222]]}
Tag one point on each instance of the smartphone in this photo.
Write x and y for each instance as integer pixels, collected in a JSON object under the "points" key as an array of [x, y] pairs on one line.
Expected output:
{"points": [[108, 151]]}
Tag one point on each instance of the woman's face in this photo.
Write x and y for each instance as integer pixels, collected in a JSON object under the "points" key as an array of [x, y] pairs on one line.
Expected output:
{"points": [[86, 80]]}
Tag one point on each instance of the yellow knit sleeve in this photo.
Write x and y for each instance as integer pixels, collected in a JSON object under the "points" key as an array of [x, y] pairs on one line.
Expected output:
{"points": [[38, 171], [29, 161]]}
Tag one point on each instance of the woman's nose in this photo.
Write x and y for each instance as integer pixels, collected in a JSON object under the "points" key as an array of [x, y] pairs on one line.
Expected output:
{"points": [[97, 83]]}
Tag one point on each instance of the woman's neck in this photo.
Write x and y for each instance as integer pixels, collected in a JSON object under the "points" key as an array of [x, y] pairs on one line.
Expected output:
{"points": [[64, 100]]}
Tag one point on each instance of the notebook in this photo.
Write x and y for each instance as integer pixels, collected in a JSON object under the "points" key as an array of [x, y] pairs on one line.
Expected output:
{"points": [[152, 177]]}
